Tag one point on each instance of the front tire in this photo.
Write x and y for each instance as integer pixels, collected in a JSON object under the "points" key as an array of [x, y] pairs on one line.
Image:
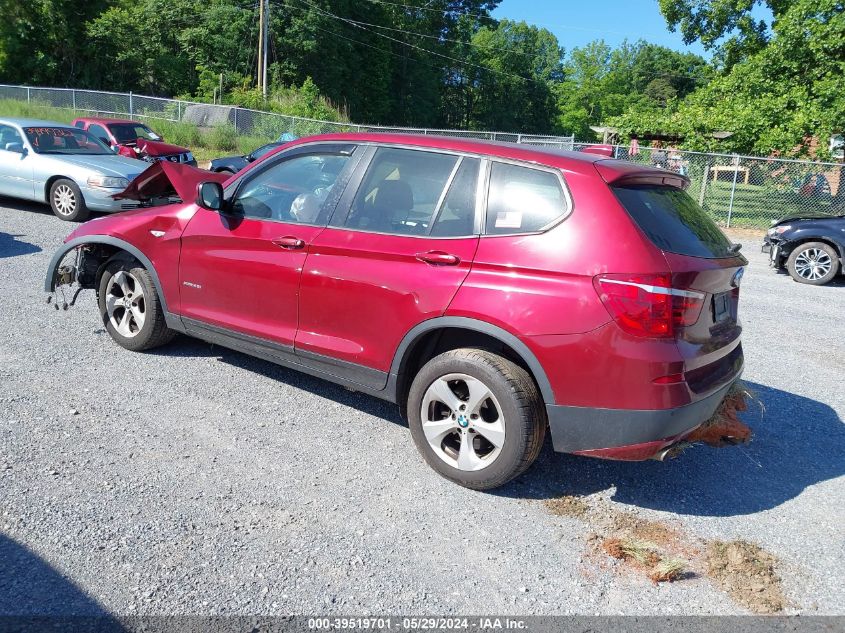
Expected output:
{"points": [[67, 202], [814, 263], [476, 417], [130, 307]]}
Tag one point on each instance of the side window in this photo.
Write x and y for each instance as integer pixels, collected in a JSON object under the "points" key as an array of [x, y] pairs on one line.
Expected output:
{"points": [[100, 132], [456, 216], [401, 191], [80, 124], [522, 199], [293, 190], [9, 135]]}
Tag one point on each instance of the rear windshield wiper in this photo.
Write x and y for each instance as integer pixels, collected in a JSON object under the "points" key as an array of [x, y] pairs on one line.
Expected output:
{"points": [[735, 248]]}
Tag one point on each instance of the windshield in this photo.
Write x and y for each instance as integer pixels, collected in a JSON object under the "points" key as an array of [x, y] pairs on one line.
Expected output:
{"points": [[131, 132], [673, 221], [64, 140], [263, 150]]}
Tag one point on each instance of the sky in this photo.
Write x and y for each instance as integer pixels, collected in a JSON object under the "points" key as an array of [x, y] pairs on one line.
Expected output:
{"points": [[577, 22]]}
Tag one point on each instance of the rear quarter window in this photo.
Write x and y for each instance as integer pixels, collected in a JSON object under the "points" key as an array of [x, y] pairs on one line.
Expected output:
{"points": [[673, 221], [522, 200]]}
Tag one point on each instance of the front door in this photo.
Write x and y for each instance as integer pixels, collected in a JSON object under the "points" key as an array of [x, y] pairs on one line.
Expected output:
{"points": [[240, 270], [394, 255], [15, 167]]}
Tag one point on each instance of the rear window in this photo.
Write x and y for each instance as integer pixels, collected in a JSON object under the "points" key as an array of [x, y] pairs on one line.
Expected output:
{"points": [[673, 221]]}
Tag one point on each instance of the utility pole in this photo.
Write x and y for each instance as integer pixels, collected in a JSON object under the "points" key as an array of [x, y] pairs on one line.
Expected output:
{"points": [[260, 72], [266, 37]]}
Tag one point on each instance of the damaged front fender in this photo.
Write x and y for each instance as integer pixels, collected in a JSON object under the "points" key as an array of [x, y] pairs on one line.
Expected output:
{"points": [[93, 251]]}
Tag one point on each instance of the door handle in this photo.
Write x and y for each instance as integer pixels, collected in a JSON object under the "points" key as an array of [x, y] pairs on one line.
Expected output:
{"points": [[289, 242], [439, 258]]}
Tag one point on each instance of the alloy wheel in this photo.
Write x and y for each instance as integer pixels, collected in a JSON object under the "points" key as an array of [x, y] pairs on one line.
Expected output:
{"points": [[813, 264], [125, 304], [463, 422], [64, 200]]}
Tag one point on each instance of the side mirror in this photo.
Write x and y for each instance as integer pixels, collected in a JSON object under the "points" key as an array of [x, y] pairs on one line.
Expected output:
{"points": [[115, 149], [210, 196], [18, 148]]}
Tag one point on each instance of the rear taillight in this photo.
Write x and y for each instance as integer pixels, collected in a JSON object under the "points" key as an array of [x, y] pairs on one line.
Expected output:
{"points": [[648, 305]]}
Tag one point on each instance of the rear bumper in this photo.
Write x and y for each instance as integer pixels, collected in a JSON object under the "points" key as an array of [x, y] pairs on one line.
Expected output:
{"points": [[631, 434]]}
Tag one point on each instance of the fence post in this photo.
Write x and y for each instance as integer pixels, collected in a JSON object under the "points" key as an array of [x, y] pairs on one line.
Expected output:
{"points": [[733, 190], [519, 138], [704, 184], [73, 96], [178, 110], [28, 95], [130, 103], [236, 119]]}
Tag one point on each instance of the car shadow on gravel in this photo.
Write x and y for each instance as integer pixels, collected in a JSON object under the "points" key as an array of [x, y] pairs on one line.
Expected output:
{"points": [[11, 246], [797, 443], [34, 596], [185, 347]]}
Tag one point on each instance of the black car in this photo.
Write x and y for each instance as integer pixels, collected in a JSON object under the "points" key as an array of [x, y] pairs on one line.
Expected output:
{"points": [[810, 246], [233, 164]]}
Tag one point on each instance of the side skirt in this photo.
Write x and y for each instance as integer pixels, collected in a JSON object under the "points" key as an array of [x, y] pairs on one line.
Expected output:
{"points": [[356, 377]]}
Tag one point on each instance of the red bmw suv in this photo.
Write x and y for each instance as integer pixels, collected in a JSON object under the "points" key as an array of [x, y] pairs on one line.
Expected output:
{"points": [[493, 291]]}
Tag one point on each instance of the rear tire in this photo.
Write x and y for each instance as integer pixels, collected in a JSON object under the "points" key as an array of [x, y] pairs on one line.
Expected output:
{"points": [[814, 263], [130, 307], [493, 425], [67, 202]]}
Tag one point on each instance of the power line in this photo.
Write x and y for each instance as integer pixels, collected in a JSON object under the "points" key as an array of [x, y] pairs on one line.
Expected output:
{"points": [[425, 50], [434, 37], [360, 24], [380, 49]]}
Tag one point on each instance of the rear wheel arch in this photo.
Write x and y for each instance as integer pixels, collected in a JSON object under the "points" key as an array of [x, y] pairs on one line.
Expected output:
{"points": [[436, 336]]}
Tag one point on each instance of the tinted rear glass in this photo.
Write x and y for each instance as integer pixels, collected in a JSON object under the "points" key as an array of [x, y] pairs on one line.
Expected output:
{"points": [[673, 221]]}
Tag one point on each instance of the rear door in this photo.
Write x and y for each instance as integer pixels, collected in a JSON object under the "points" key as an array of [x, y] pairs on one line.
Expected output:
{"points": [[394, 254]]}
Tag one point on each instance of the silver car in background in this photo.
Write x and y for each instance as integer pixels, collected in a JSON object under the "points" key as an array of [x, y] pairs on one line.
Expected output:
{"points": [[66, 167]]}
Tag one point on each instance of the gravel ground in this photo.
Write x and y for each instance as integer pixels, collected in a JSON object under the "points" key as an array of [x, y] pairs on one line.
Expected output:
{"points": [[196, 480]]}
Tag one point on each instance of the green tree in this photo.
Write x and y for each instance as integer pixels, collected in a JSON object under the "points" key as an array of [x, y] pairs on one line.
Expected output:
{"points": [[514, 67], [43, 42], [777, 100], [601, 82], [711, 21]]}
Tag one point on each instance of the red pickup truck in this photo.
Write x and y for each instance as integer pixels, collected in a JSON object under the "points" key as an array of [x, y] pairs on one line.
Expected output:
{"points": [[135, 140]]}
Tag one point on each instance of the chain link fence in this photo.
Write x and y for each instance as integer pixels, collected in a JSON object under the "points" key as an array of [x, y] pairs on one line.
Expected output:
{"points": [[737, 191], [244, 121], [747, 191]]}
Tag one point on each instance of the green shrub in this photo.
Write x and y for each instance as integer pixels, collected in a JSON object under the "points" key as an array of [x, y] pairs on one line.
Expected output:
{"points": [[222, 137], [176, 132], [35, 110]]}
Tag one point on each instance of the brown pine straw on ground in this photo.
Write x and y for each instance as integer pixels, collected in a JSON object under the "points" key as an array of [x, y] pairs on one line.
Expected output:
{"points": [[725, 428], [665, 553], [647, 557]]}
